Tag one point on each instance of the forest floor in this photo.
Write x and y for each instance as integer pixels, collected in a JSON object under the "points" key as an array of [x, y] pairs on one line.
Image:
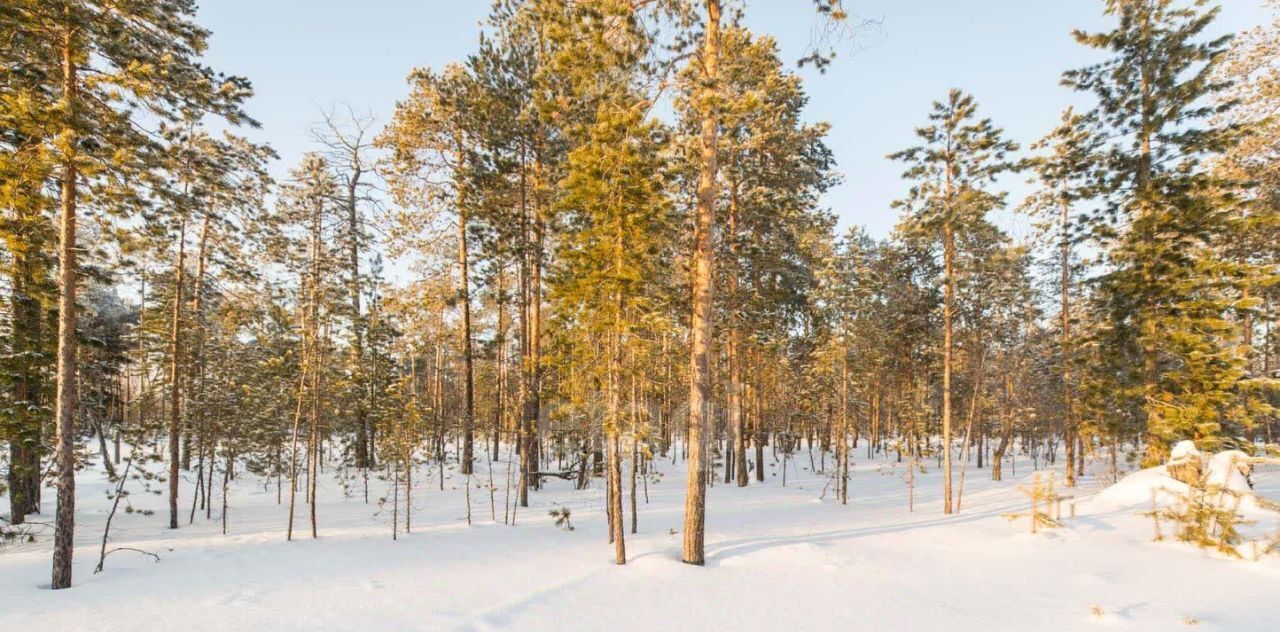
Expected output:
{"points": [[777, 558]]}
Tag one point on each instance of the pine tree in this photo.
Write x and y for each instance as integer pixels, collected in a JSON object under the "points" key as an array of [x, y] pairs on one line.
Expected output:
{"points": [[27, 162], [1064, 177], [960, 156], [1165, 291], [348, 143], [308, 214], [1252, 71], [774, 167], [431, 131], [615, 212]]}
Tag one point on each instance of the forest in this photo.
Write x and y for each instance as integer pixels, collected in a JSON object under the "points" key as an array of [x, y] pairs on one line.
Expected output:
{"points": [[595, 251]]}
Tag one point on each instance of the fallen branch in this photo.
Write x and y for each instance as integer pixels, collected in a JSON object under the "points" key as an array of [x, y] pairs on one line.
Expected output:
{"points": [[128, 548], [565, 475]]}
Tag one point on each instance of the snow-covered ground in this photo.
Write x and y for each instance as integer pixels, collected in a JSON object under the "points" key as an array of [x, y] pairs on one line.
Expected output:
{"points": [[777, 558]]}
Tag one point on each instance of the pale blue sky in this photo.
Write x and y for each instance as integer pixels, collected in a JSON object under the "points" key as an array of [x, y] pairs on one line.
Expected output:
{"points": [[302, 55]]}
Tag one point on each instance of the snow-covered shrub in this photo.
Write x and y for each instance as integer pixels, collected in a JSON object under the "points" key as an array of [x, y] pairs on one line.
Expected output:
{"points": [[1185, 464]]}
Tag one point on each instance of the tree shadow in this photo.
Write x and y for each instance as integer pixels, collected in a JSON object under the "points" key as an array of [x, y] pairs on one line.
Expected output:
{"points": [[722, 551]]}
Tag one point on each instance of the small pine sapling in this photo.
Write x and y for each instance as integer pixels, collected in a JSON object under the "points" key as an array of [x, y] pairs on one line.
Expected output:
{"points": [[1205, 515], [562, 515], [1045, 503]]}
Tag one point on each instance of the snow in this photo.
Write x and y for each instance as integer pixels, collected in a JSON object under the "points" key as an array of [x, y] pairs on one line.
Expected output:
{"points": [[1228, 469], [1224, 469], [1138, 488], [789, 557], [1182, 450]]}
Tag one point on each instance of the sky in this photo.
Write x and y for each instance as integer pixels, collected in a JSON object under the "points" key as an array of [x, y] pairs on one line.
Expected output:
{"points": [[304, 56]]}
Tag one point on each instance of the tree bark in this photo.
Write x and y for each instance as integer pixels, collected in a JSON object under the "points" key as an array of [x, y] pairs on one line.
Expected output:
{"points": [[732, 350], [523, 434], [843, 454], [64, 456], [205, 447], [362, 452], [464, 295], [949, 296], [701, 325], [175, 375], [1069, 429], [613, 429]]}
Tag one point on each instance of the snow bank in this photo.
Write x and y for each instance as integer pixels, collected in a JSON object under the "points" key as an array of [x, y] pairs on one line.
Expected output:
{"points": [[1135, 489], [1227, 469]]}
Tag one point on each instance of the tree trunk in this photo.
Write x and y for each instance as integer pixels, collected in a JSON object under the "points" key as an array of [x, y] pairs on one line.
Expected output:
{"points": [[701, 326], [500, 409], [205, 447], [613, 430], [733, 343], [533, 412], [313, 447], [1068, 416], [362, 452], [524, 438], [175, 375], [464, 295], [949, 296], [64, 456], [843, 449]]}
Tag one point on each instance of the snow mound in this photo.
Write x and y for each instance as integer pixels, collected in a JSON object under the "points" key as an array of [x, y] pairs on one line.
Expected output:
{"points": [[1228, 469], [1137, 488]]}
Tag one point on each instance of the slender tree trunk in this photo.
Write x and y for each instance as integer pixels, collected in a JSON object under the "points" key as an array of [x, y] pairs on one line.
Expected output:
{"points": [[500, 409], [949, 297], [701, 325], [226, 477], [534, 411], [1006, 432], [733, 350], [1069, 429], [614, 446], [635, 448], [843, 453], [293, 450], [205, 445], [968, 428], [523, 425], [313, 448], [438, 400], [464, 295], [175, 375], [757, 421], [64, 456], [363, 439]]}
